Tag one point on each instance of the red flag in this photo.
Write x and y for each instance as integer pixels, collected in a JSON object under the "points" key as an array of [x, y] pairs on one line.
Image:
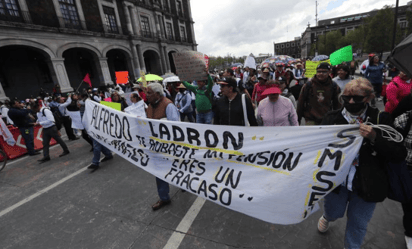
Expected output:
{"points": [[87, 80]]}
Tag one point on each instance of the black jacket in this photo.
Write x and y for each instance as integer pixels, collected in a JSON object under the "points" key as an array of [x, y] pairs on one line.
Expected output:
{"points": [[231, 112], [20, 117], [370, 180]]}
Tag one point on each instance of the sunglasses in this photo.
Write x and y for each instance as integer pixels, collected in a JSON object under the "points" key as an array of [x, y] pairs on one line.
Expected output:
{"points": [[356, 98]]}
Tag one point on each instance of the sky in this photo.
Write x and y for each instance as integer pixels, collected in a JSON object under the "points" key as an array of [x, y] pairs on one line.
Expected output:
{"points": [[241, 27]]}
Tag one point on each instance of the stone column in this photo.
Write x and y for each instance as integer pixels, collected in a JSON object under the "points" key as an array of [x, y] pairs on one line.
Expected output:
{"points": [[3, 96], [191, 22], [135, 61], [134, 20], [59, 74], [162, 60], [104, 73], [168, 68], [141, 58], [128, 20]]}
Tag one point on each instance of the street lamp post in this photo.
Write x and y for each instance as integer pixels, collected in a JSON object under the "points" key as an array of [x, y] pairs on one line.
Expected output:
{"points": [[395, 25], [326, 27]]}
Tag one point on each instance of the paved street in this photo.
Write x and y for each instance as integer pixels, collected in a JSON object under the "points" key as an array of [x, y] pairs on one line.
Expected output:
{"points": [[60, 204]]}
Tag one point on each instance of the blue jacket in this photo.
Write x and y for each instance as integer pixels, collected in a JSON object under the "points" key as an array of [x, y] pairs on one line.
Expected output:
{"points": [[374, 73]]}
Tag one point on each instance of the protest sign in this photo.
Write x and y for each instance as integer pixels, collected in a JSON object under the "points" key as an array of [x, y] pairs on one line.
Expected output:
{"points": [[122, 77], [276, 174], [190, 65], [341, 55], [144, 81], [76, 120], [114, 105], [250, 62], [310, 68], [207, 61]]}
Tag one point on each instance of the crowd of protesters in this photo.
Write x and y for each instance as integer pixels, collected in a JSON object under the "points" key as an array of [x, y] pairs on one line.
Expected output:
{"points": [[272, 95]]}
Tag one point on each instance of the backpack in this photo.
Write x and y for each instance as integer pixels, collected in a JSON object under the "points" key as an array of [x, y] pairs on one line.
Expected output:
{"points": [[57, 116]]}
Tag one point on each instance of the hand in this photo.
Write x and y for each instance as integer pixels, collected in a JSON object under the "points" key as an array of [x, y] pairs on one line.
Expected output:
{"points": [[368, 132]]}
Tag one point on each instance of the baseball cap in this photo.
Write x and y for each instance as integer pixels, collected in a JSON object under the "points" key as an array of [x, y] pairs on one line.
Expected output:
{"points": [[227, 81], [324, 65]]}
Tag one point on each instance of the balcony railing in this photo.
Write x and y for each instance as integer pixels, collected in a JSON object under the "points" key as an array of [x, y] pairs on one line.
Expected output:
{"points": [[70, 24], [23, 16], [111, 29], [148, 34]]}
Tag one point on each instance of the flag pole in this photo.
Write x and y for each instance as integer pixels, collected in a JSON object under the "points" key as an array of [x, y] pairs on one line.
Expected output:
{"points": [[79, 86]]}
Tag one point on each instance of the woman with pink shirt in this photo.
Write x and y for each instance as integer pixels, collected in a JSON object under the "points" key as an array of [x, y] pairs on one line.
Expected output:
{"points": [[276, 110], [399, 88], [259, 88]]}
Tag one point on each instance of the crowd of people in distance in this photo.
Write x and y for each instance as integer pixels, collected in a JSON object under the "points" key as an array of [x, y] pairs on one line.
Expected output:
{"points": [[272, 95]]}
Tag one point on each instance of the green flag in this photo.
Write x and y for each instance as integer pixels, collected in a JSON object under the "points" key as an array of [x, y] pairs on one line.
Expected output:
{"points": [[341, 55]]}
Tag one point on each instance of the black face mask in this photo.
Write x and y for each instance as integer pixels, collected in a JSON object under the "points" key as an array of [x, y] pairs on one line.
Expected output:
{"points": [[354, 108]]}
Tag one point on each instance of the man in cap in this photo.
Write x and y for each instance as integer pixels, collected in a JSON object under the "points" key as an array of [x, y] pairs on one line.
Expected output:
{"points": [[24, 120], [298, 71], [229, 110], [204, 99], [280, 71], [318, 96], [183, 102], [365, 64], [95, 95], [160, 107]]}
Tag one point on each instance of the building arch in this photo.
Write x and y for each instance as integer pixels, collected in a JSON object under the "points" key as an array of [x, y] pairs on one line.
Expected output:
{"points": [[119, 47], [67, 46], [154, 49], [43, 48]]}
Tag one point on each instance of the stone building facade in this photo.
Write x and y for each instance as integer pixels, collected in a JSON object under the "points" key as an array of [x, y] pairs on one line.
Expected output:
{"points": [[344, 24], [49, 42], [291, 48]]}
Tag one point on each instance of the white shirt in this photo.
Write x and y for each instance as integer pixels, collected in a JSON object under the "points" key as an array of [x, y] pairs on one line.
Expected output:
{"points": [[4, 113], [46, 120], [62, 107], [137, 109]]}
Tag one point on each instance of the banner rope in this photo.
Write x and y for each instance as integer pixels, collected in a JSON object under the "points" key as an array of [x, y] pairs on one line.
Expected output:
{"points": [[388, 132]]}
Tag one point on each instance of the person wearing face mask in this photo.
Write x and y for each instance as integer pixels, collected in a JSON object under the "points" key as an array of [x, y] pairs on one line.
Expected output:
{"points": [[318, 96], [366, 183], [398, 89]]}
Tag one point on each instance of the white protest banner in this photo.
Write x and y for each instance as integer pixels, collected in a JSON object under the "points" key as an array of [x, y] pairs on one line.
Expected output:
{"points": [[276, 174], [76, 120], [6, 134], [250, 62], [190, 65]]}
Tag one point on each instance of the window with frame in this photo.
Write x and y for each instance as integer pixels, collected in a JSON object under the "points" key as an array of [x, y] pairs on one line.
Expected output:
{"points": [[292, 44], [9, 8], [287, 45], [145, 26], [169, 31], [69, 12], [165, 4], [182, 34], [110, 20], [179, 8], [282, 46]]}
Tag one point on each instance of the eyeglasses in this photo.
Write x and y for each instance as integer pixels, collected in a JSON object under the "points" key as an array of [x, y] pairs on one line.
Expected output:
{"points": [[322, 72], [356, 98]]}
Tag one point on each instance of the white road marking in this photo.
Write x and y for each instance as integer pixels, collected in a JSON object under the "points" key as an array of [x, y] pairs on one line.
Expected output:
{"points": [[184, 225], [18, 204]]}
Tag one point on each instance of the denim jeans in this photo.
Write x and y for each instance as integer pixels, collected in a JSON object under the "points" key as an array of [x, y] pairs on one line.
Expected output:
{"points": [[359, 213], [162, 189], [28, 135], [204, 118], [97, 148]]}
